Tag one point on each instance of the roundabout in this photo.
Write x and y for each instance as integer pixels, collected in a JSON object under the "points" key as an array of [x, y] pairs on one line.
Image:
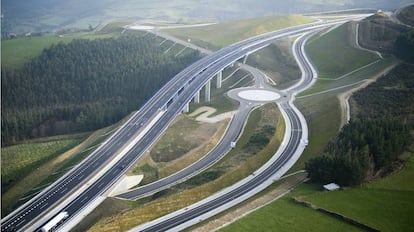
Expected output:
{"points": [[258, 95]]}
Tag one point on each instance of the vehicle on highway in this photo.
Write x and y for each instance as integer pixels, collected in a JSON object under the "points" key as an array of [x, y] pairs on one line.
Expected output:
{"points": [[55, 222]]}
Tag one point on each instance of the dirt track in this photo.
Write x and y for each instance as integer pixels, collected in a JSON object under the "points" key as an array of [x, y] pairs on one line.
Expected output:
{"points": [[344, 97]]}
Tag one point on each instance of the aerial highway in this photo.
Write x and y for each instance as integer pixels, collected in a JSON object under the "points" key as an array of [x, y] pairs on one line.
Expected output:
{"points": [[131, 141], [218, 152], [251, 184]]}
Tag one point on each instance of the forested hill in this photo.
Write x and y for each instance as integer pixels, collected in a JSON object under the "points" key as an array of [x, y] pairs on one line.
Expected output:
{"points": [[84, 85], [369, 146]]}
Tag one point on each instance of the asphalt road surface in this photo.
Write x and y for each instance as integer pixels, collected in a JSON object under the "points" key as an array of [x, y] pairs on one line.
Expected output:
{"points": [[289, 150], [171, 99]]}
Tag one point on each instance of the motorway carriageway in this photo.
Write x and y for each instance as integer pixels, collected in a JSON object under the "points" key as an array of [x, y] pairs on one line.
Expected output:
{"points": [[188, 82], [246, 188], [212, 157]]}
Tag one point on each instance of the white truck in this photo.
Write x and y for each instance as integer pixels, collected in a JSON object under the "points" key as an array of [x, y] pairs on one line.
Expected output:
{"points": [[55, 222]]}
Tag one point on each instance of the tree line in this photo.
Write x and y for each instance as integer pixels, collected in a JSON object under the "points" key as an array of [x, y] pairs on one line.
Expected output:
{"points": [[84, 85], [362, 147], [373, 141]]}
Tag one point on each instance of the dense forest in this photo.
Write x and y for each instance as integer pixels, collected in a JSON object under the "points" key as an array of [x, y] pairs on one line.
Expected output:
{"points": [[404, 46], [372, 142], [84, 85], [390, 96], [362, 147]]}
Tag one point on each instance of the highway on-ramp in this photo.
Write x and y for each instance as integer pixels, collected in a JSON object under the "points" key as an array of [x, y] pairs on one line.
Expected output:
{"points": [[176, 220], [164, 107]]}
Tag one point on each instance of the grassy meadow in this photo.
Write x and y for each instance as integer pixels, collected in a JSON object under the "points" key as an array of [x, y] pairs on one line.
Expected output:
{"points": [[285, 215], [384, 204], [19, 162], [320, 104], [219, 35], [16, 52], [29, 167], [333, 55]]}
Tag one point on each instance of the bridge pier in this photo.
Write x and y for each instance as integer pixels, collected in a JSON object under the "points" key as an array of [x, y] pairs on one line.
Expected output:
{"points": [[245, 58], [219, 77], [186, 108], [197, 97], [207, 91]]}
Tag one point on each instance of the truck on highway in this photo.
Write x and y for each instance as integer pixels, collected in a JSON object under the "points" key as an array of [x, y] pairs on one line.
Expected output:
{"points": [[55, 222]]}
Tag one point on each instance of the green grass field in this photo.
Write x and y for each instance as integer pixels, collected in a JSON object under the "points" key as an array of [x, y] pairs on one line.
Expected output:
{"points": [[277, 62], [218, 35], [333, 56], [322, 112], [16, 52], [284, 215], [320, 104], [19, 160], [169, 203], [33, 165], [386, 204]]}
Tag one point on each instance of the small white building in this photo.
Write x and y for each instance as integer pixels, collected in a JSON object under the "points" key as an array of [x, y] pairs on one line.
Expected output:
{"points": [[331, 187]]}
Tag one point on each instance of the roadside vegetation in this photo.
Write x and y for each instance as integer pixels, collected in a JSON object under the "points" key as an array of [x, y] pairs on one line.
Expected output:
{"points": [[172, 153], [19, 160], [325, 104], [384, 204], [257, 144], [370, 145], [29, 167], [333, 56], [320, 103], [285, 215], [277, 62], [362, 148], [184, 142], [238, 164]]}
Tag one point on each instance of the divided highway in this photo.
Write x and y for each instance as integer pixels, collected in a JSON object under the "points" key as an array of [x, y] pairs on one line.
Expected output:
{"points": [[194, 212], [231, 135], [165, 105], [251, 185]]}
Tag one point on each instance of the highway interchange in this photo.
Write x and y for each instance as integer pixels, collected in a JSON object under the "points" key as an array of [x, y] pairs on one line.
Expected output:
{"points": [[163, 107], [254, 183]]}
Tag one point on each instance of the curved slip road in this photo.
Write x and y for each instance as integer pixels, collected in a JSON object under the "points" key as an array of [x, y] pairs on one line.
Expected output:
{"points": [[172, 98], [297, 132]]}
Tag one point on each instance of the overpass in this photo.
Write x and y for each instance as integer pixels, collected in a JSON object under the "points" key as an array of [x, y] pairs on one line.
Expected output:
{"points": [[71, 194]]}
